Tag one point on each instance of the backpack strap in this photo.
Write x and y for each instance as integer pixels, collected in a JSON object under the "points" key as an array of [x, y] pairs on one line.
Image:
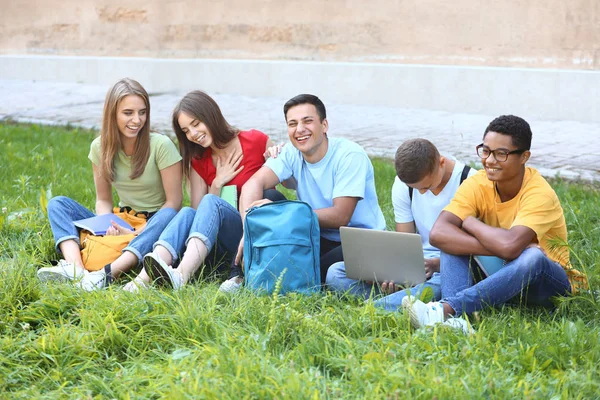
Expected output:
{"points": [[465, 173]]}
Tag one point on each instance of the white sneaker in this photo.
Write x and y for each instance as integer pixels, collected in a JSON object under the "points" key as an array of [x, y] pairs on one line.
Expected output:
{"points": [[63, 272], [161, 273], [232, 285], [422, 314], [432, 313], [135, 286], [460, 323], [93, 281]]}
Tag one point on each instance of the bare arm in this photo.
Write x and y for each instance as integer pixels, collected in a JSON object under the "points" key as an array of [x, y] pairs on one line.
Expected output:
{"points": [[339, 214], [507, 244], [198, 188], [447, 235], [252, 194], [253, 189], [406, 227], [171, 181], [103, 193]]}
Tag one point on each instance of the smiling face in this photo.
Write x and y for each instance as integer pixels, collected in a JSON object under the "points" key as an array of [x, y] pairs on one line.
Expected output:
{"points": [[307, 132], [131, 115], [195, 130], [508, 170]]}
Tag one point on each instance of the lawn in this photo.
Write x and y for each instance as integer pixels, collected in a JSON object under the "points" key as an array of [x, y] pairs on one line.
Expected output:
{"points": [[58, 342]]}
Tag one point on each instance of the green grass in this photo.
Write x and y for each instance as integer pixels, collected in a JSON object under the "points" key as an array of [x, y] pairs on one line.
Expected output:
{"points": [[57, 342]]}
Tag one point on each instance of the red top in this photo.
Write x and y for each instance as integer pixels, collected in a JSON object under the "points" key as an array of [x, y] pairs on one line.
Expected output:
{"points": [[254, 144]]}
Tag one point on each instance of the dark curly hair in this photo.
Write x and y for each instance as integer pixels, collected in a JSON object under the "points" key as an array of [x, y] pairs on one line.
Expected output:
{"points": [[515, 127]]}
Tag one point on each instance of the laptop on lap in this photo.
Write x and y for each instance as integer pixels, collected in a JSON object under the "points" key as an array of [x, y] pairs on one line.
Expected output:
{"points": [[378, 256]]}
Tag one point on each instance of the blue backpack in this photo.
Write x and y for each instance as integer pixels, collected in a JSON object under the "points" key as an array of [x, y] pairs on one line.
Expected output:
{"points": [[282, 239]]}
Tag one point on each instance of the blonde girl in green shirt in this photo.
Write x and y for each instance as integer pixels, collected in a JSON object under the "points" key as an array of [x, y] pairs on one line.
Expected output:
{"points": [[145, 170]]}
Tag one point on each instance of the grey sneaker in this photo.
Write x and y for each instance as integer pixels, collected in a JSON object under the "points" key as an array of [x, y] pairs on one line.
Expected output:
{"points": [[94, 280], [232, 285], [62, 272], [161, 273]]}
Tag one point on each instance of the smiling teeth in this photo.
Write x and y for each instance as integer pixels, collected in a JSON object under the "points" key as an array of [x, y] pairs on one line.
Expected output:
{"points": [[302, 138], [493, 169]]}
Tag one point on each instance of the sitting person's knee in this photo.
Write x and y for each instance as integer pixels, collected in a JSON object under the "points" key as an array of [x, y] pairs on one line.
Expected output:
{"points": [[334, 273]]}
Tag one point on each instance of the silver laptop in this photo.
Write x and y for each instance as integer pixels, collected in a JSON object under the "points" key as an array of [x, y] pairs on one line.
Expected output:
{"points": [[372, 255]]}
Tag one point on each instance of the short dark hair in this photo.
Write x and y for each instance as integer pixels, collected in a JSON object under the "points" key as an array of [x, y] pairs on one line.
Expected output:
{"points": [[415, 159], [515, 127], [305, 99]]}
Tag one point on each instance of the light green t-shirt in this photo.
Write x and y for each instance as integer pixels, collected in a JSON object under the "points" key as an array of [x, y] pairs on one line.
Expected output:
{"points": [[146, 192]]}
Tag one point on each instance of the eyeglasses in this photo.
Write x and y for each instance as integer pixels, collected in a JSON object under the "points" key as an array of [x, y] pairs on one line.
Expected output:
{"points": [[500, 155]]}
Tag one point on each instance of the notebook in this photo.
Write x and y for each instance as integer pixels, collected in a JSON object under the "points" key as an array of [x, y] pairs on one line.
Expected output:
{"points": [[373, 255], [99, 224], [230, 195], [489, 264]]}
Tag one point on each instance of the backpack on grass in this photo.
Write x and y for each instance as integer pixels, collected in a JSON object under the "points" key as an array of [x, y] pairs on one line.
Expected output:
{"points": [[282, 240]]}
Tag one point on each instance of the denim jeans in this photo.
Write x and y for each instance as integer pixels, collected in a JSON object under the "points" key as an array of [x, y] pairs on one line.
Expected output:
{"points": [[216, 223], [532, 276], [62, 211], [338, 281]]}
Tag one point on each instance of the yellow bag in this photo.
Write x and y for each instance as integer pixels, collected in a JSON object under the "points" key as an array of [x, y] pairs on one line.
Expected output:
{"points": [[97, 251]]}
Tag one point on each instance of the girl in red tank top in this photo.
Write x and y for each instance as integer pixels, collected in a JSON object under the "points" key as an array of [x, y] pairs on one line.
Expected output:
{"points": [[215, 155]]}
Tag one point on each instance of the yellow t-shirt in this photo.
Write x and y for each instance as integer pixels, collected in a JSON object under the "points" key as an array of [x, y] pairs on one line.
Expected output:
{"points": [[536, 206], [146, 192]]}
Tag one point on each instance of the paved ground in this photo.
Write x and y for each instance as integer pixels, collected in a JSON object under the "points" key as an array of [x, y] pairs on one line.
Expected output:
{"points": [[568, 148]]}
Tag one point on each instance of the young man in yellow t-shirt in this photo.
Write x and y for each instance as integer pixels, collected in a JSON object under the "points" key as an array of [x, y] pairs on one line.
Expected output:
{"points": [[509, 211]]}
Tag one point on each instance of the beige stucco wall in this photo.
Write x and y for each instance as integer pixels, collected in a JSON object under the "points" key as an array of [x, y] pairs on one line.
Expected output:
{"points": [[516, 33]]}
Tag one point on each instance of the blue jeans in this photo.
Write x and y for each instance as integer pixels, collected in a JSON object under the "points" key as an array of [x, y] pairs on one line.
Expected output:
{"points": [[215, 222], [62, 211], [338, 281], [532, 276]]}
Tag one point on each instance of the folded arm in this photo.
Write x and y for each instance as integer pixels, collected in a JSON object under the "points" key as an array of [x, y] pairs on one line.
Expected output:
{"points": [[507, 244], [448, 235]]}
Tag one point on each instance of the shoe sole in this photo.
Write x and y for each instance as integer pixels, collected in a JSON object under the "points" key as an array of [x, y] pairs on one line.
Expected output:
{"points": [[47, 276], [157, 272], [414, 318], [230, 288]]}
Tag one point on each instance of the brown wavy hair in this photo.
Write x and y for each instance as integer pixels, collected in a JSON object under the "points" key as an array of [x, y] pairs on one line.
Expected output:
{"points": [[202, 107], [111, 137]]}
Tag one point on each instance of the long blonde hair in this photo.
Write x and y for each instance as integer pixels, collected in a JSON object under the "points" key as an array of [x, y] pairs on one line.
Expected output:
{"points": [[111, 137]]}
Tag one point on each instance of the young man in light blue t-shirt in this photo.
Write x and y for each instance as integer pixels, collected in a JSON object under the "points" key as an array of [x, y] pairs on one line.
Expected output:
{"points": [[424, 185], [333, 175]]}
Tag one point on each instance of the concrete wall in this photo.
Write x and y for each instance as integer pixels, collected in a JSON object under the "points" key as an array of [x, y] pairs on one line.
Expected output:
{"points": [[502, 33], [536, 58]]}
